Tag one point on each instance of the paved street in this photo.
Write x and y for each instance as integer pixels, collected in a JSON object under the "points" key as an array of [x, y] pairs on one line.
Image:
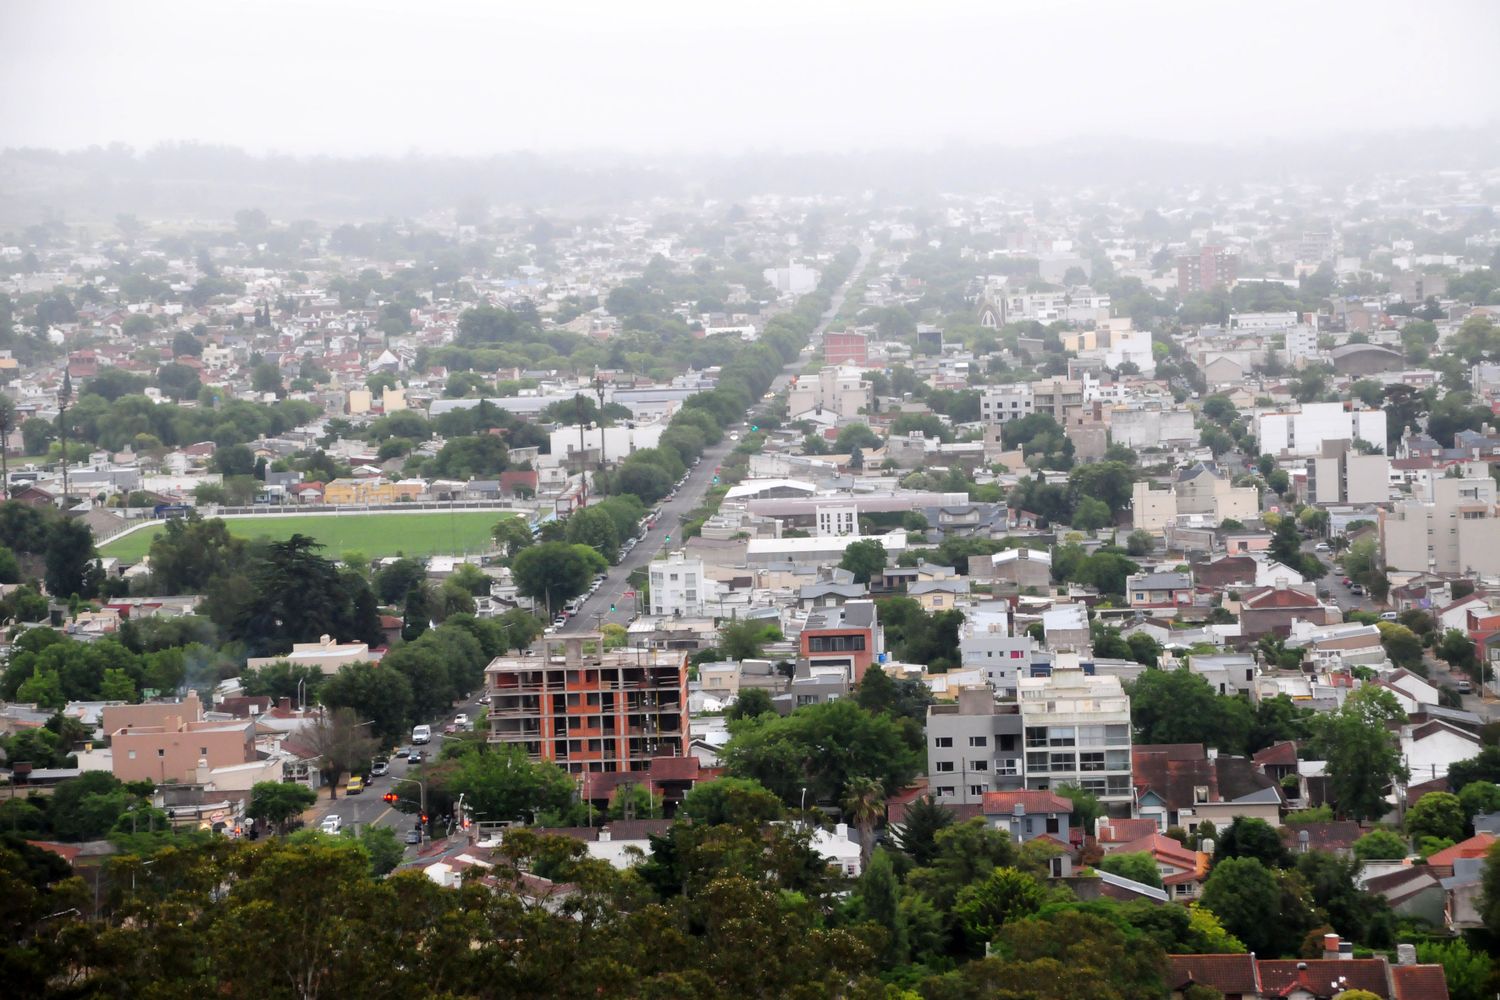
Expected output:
{"points": [[666, 532]]}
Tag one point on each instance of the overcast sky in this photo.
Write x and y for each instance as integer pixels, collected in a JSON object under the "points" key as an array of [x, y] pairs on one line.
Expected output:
{"points": [[485, 76]]}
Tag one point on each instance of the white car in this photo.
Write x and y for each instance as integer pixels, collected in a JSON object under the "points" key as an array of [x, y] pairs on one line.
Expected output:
{"points": [[331, 824], [1321, 547], [461, 720]]}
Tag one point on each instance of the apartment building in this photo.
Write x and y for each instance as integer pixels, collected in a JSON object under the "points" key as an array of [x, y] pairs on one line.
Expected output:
{"points": [[837, 390], [1455, 532], [1151, 427], [999, 404], [973, 747], [986, 641], [846, 348], [1056, 396], [848, 637], [1200, 493], [678, 586], [1308, 430], [587, 709], [1209, 268], [1077, 732], [1345, 476]]}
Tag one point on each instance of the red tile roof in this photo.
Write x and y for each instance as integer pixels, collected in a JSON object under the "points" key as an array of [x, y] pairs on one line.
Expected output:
{"points": [[1035, 803], [1280, 978], [1225, 973], [1420, 982], [1278, 597], [1283, 753], [1475, 847]]}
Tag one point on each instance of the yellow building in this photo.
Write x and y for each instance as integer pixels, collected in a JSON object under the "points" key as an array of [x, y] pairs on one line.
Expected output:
{"points": [[359, 491]]}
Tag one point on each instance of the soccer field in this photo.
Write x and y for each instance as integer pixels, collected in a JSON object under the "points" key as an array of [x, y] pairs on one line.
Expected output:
{"points": [[376, 535]]}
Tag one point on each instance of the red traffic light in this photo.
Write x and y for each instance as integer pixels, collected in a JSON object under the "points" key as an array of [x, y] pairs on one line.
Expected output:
{"points": [[424, 817], [389, 796]]}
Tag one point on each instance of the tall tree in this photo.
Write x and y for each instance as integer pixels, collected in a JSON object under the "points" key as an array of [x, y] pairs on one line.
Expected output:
{"points": [[342, 742], [864, 806], [1363, 760]]}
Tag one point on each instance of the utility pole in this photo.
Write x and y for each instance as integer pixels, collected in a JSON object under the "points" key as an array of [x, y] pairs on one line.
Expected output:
{"points": [[599, 391], [583, 472], [64, 397]]}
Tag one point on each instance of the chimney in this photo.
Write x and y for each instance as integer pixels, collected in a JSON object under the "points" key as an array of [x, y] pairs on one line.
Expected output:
{"points": [[285, 704], [1406, 954], [1330, 946]]}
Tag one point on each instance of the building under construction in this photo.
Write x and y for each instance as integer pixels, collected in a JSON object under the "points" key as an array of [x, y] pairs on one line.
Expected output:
{"points": [[590, 710]]}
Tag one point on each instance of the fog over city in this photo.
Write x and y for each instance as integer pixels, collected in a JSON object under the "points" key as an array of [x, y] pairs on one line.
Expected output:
{"points": [[805, 499], [358, 77]]}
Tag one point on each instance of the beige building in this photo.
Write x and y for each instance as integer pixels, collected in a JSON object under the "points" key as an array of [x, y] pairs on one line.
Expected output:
{"points": [[1201, 494], [325, 654], [1457, 532], [171, 742], [837, 390], [1348, 477], [1077, 732]]}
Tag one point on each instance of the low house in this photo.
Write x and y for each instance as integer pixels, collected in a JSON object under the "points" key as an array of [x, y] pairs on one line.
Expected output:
{"points": [[1153, 591], [1183, 870], [1184, 784], [1245, 977], [1027, 815], [1273, 610]]}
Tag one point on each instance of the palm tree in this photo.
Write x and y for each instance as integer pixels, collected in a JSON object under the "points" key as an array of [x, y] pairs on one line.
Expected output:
{"points": [[864, 806]]}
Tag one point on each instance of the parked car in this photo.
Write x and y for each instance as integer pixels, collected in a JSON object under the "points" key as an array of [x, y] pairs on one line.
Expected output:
{"points": [[1355, 588], [449, 729], [403, 752], [331, 824], [355, 786], [1465, 686], [413, 836], [1321, 547], [1388, 616], [380, 766]]}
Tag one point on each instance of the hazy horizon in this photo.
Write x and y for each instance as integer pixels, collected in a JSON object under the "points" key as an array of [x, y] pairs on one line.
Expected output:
{"points": [[454, 78]]}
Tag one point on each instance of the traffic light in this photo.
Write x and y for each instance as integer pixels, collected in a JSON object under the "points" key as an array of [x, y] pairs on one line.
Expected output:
{"points": [[669, 538], [424, 817], [389, 796], [611, 608], [716, 480], [754, 428]]}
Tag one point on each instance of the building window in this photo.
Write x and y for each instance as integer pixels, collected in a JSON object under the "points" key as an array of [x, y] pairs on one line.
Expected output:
{"points": [[161, 751], [979, 765], [979, 741], [942, 741], [1091, 761], [132, 755], [944, 766], [976, 790], [945, 790]]}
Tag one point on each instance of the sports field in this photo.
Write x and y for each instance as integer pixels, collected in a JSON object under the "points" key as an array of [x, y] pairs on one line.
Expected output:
{"points": [[376, 535]]}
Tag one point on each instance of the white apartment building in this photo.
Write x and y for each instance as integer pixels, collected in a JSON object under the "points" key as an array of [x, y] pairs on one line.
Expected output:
{"points": [[1153, 427], [1262, 320], [1076, 305], [1122, 342], [1303, 432], [678, 587], [794, 279], [1456, 532], [1301, 343], [1077, 731], [999, 404], [986, 642], [837, 519], [837, 390]]}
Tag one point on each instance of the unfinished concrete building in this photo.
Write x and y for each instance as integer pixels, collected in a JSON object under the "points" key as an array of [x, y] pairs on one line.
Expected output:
{"points": [[587, 709]]}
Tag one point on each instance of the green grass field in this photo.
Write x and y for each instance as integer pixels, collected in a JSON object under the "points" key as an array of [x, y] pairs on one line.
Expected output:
{"points": [[376, 535]]}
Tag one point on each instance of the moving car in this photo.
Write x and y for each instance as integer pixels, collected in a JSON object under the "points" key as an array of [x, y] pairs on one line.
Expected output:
{"points": [[380, 766], [402, 752], [1321, 547], [355, 786], [461, 720], [413, 836], [331, 824], [421, 734], [416, 757]]}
